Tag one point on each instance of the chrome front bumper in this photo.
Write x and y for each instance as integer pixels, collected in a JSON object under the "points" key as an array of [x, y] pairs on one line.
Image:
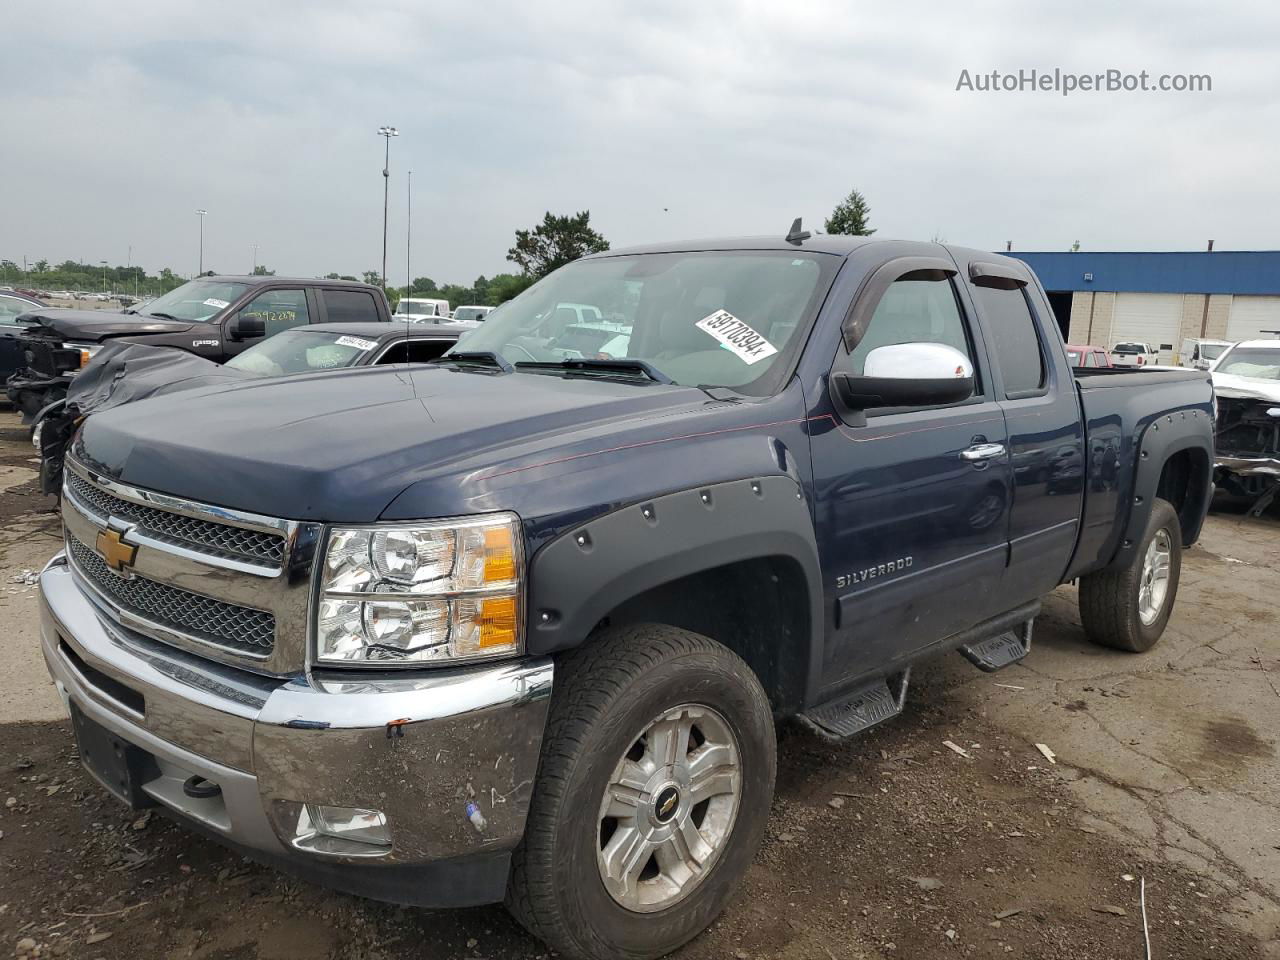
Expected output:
{"points": [[429, 751]]}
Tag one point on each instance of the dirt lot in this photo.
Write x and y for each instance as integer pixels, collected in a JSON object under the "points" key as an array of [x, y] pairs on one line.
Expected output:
{"points": [[893, 846]]}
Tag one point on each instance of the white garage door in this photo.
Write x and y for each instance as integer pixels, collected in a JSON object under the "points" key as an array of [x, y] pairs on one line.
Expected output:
{"points": [[1149, 318], [1250, 316]]}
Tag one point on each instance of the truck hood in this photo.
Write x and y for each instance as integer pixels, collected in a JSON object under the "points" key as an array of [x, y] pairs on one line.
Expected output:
{"points": [[341, 446], [1258, 388], [94, 326]]}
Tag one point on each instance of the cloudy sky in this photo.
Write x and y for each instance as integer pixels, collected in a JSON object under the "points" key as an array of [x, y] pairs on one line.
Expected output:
{"points": [[665, 119]]}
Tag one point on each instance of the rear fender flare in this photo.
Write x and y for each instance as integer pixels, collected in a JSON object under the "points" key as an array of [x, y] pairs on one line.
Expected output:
{"points": [[1166, 435]]}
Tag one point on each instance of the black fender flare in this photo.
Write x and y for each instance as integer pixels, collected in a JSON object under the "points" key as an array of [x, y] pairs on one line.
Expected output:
{"points": [[1167, 435], [578, 578]]}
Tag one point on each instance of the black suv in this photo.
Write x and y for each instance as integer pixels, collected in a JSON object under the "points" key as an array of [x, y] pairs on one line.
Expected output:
{"points": [[213, 317]]}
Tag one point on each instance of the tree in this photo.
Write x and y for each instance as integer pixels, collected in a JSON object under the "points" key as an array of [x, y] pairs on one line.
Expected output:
{"points": [[42, 266], [555, 242], [850, 217], [261, 271], [373, 277], [504, 286]]}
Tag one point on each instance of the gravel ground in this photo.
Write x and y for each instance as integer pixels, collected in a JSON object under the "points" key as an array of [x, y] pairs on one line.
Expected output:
{"points": [[892, 846]]}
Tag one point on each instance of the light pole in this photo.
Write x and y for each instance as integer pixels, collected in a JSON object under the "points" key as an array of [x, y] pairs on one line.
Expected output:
{"points": [[255, 259], [104, 275], [387, 133], [408, 236], [201, 215]]}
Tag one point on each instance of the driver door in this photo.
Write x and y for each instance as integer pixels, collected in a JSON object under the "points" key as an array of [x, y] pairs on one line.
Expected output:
{"points": [[279, 308], [912, 504]]}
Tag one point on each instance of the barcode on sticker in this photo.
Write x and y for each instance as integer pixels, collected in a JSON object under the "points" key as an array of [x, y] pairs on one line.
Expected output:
{"points": [[747, 344], [356, 342]]}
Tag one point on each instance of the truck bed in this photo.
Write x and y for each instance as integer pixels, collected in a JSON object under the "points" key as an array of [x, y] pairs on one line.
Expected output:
{"points": [[1118, 406]]}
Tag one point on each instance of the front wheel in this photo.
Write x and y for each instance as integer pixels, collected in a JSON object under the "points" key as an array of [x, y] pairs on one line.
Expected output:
{"points": [[1128, 608], [652, 795]]}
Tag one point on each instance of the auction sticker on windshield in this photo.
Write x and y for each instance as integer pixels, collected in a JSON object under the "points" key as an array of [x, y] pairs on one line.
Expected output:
{"points": [[356, 342], [215, 302], [738, 336]]}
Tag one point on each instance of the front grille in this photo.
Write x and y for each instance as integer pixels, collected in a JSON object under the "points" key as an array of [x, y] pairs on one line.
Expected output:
{"points": [[213, 621], [203, 536]]}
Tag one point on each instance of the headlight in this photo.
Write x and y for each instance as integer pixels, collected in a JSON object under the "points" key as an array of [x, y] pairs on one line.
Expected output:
{"points": [[86, 351], [411, 594]]}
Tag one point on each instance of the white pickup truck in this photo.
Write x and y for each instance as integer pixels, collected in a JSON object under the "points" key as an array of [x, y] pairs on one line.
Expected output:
{"points": [[1134, 354]]}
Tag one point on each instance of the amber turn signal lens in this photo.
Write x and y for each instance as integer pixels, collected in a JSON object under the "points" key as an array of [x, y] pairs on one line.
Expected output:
{"points": [[497, 622]]}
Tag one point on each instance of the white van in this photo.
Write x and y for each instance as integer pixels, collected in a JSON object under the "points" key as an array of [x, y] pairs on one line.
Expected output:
{"points": [[1201, 354], [421, 310]]}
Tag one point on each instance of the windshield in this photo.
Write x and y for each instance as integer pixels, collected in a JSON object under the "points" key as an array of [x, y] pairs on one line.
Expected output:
{"points": [[470, 313], [198, 301], [1130, 348], [1259, 362], [729, 318], [1212, 351], [299, 351]]}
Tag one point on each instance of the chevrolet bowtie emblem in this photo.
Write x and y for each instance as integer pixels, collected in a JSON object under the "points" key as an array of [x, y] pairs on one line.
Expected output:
{"points": [[115, 551]]}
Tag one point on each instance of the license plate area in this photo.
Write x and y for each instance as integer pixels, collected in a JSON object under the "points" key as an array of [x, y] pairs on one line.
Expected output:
{"points": [[117, 764]]}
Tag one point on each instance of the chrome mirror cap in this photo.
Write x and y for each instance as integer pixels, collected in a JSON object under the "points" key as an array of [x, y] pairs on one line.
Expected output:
{"points": [[917, 361]]}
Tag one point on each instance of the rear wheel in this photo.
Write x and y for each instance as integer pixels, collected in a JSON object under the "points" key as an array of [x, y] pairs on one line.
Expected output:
{"points": [[1128, 608], [652, 796]]}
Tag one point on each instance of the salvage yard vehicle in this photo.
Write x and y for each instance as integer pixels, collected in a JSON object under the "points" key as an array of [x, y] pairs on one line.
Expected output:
{"points": [[498, 628], [1132, 354], [12, 306], [211, 317], [471, 313], [124, 372], [422, 310], [1086, 356], [1246, 382], [1201, 354]]}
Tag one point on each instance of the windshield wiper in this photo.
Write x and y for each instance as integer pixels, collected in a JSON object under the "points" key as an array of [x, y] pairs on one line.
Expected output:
{"points": [[159, 316], [621, 365], [484, 358]]}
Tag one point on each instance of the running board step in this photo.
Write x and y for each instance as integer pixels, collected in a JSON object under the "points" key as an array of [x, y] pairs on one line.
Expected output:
{"points": [[865, 707], [996, 653]]}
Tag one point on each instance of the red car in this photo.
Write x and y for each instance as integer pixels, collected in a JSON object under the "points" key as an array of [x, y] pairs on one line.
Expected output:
{"points": [[1085, 356]]}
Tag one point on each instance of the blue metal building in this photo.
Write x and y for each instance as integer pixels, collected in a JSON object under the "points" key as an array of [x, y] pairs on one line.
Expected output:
{"points": [[1161, 298]]}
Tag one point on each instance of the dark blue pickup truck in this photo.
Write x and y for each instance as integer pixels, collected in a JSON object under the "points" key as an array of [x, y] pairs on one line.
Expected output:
{"points": [[520, 623]]}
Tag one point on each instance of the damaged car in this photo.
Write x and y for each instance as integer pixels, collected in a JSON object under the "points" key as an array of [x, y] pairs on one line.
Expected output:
{"points": [[124, 372], [1246, 382]]}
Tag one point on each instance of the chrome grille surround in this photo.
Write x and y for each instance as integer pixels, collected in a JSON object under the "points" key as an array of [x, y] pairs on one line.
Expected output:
{"points": [[221, 605], [203, 536], [213, 621]]}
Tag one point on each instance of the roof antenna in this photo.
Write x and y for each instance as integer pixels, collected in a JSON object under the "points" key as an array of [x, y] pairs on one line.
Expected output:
{"points": [[797, 234]]}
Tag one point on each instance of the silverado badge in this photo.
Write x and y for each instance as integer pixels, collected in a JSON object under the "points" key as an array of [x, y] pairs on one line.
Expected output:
{"points": [[112, 548]]}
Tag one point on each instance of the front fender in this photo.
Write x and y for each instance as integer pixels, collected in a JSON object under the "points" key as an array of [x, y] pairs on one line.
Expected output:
{"points": [[579, 577]]}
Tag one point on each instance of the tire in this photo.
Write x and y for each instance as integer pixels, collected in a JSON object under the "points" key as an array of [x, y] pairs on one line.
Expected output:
{"points": [[607, 693], [1110, 600]]}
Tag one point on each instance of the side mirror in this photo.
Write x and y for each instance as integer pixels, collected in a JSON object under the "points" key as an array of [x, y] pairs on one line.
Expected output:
{"points": [[908, 375], [246, 326]]}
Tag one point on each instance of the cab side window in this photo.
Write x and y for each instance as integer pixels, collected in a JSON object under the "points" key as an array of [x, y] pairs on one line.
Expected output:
{"points": [[913, 311], [279, 309], [1007, 319], [415, 351]]}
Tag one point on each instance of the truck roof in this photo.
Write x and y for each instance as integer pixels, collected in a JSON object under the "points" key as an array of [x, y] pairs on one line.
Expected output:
{"points": [[832, 244], [309, 281]]}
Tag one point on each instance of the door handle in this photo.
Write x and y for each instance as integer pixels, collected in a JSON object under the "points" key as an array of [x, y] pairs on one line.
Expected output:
{"points": [[982, 451]]}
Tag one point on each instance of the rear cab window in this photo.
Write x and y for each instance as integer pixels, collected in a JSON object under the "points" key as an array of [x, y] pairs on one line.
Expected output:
{"points": [[1015, 339], [349, 306]]}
